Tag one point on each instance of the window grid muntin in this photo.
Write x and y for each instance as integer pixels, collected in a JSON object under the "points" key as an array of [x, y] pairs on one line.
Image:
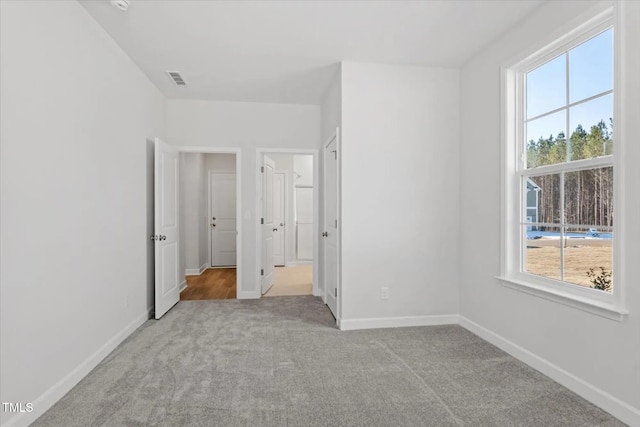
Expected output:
{"points": [[561, 168], [564, 50]]}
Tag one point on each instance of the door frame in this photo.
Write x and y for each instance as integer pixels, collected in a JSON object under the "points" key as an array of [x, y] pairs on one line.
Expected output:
{"points": [[260, 152], [210, 213], [337, 136], [238, 153]]}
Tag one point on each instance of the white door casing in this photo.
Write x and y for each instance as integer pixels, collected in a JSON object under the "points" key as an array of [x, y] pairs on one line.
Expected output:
{"points": [[166, 184], [267, 171], [330, 226], [279, 213], [222, 218]]}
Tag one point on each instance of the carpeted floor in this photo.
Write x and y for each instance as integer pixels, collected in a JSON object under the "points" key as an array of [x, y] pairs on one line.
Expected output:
{"points": [[282, 362]]}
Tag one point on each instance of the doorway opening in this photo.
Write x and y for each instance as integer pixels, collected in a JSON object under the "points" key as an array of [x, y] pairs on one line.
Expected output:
{"points": [[209, 227], [288, 207]]}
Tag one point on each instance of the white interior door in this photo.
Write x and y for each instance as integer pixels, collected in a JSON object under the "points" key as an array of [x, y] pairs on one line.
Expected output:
{"points": [[222, 216], [304, 223], [279, 195], [330, 233], [268, 170], [166, 216]]}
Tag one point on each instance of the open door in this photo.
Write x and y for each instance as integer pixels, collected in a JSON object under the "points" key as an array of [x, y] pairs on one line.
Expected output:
{"points": [[330, 233], [166, 228], [279, 212], [268, 169]]}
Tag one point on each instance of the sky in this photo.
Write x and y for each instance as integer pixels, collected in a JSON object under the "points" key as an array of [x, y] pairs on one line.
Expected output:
{"points": [[590, 73]]}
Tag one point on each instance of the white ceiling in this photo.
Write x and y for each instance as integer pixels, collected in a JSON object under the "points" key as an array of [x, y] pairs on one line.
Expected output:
{"points": [[288, 51]]}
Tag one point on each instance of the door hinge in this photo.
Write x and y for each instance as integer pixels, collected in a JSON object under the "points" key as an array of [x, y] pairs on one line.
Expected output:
{"points": [[336, 223], [335, 292], [261, 220], [262, 272], [261, 169], [335, 154]]}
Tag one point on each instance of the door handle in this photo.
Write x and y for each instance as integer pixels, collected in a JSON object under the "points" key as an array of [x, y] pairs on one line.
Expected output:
{"points": [[213, 225], [275, 229], [282, 224], [213, 218], [325, 234]]}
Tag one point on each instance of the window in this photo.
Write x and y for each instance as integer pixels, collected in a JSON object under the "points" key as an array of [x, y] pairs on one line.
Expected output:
{"points": [[559, 147]]}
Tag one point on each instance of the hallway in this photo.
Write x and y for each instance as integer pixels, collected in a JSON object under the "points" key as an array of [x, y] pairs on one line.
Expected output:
{"points": [[213, 283]]}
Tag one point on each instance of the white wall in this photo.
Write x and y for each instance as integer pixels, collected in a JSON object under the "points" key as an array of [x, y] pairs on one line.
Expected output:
{"points": [[75, 117], [220, 162], [248, 126], [303, 168], [331, 108], [598, 356], [331, 118], [400, 139], [204, 259], [191, 215]]}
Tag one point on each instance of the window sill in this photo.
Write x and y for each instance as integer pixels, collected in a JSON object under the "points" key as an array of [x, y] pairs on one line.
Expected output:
{"points": [[599, 308]]}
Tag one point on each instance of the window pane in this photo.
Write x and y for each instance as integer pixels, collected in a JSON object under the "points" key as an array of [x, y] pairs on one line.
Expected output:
{"points": [[547, 87], [546, 142], [591, 125], [548, 197], [588, 196], [588, 258], [591, 67], [542, 256]]}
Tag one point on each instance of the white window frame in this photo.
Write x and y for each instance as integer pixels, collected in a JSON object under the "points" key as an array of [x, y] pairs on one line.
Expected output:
{"points": [[609, 305]]}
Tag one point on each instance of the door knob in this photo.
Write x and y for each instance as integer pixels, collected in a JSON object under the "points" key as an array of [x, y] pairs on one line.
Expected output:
{"points": [[213, 218], [275, 229], [282, 224], [213, 225], [325, 234]]}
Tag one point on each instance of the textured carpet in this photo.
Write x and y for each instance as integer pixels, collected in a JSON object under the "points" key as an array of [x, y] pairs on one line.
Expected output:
{"points": [[289, 281], [282, 362]]}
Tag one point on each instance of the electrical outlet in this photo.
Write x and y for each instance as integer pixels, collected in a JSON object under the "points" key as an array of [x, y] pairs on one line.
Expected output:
{"points": [[384, 293]]}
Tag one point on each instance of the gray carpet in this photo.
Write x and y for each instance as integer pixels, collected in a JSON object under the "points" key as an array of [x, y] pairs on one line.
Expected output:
{"points": [[281, 362]]}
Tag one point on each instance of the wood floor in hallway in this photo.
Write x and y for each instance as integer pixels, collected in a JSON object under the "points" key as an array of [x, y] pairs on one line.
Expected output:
{"points": [[213, 283], [290, 281]]}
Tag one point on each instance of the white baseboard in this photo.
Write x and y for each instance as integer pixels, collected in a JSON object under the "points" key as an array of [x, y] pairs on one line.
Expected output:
{"points": [[299, 262], [62, 387], [203, 267], [183, 286], [318, 293], [249, 295], [397, 322], [195, 271], [598, 397]]}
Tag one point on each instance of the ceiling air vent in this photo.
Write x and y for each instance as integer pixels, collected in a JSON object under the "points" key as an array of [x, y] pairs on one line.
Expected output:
{"points": [[176, 78]]}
